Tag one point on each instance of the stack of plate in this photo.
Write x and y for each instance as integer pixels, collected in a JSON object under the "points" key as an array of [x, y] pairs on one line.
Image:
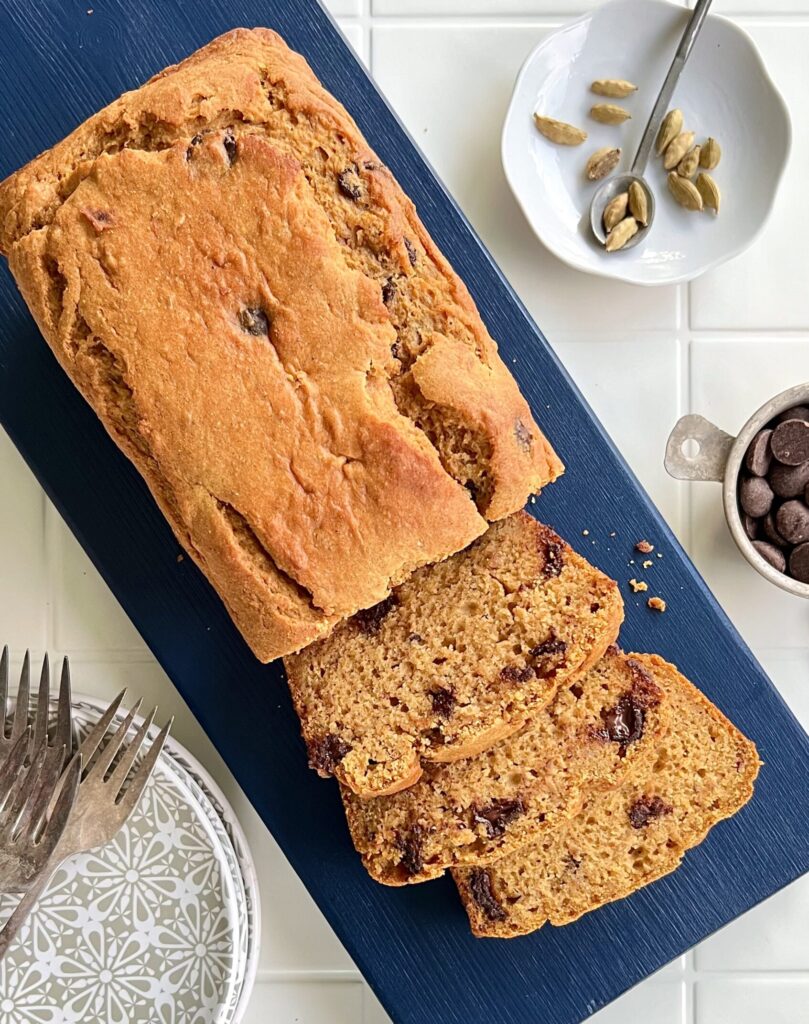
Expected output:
{"points": [[160, 926]]}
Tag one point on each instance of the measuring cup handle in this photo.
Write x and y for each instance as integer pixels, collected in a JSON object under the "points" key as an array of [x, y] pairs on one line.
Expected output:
{"points": [[711, 456]]}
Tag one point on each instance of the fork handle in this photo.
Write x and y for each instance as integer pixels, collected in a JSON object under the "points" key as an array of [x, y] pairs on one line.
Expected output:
{"points": [[21, 912]]}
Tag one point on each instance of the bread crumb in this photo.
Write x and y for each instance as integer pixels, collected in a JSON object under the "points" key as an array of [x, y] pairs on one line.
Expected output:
{"points": [[648, 563], [585, 533], [644, 547], [659, 554], [657, 604], [613, 534], [638, 585], [180, 558]]}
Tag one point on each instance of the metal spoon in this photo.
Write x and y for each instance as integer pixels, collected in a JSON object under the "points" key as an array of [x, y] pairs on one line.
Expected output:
{"points": [[613, 187]]}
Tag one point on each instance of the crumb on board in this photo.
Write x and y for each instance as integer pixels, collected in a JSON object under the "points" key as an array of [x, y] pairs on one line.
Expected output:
{"points": [[638, 585], [648, 563], [613, 534], [657, 604], [585, 533], [644, 547], [180, 558], [659, 554]]}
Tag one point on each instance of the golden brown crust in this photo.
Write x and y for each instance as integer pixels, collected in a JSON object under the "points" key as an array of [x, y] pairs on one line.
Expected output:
{"points": [[308, 467], [703, 771]]}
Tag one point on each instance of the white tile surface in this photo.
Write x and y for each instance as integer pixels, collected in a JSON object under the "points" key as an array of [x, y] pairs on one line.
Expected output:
{"points": [[765, 287], [630, 381], [456, 119], [24, 593], [448, 67], [756, 1001]]}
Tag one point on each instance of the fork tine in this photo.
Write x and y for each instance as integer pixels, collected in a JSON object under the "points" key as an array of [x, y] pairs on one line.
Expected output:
{"points": [[12, 765], [4, 688], [32, 815], [107, 755], [97, 733], [64, 719], [69, 786], [129, 800], [43, 704], [23, 693], [13, 811], [118, 777]]}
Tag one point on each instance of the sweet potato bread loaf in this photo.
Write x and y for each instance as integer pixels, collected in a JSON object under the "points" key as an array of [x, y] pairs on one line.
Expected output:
{"points": [[621, 840], [458, 657], [476, 811], [251, 305]]}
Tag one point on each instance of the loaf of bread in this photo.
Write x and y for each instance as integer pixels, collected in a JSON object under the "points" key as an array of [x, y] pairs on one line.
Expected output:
{"points": [[459, 656], [476, 811], [245, 296], [621, 840]]}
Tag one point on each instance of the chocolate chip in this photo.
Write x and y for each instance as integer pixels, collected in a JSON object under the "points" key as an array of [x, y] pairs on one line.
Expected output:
{"points": [[415, 638], [369, 620], [645, 691], [792, 520], [411, 252], [770, 553], [550, 655], [594, 607], [799, 412], [443, 701], [254, 321], [755, 496], [410, 846], [624, 723], [554, 550], [326, 752], [396, 350], [759, 455], [480, 886], [99, 220], [389, 291], [770, 530], [230, 146], [525, 438], [790, 442], [195, 141], [350, 183], [548, 648], [646, 809], [577, 691], [497, 816], [750, 525], [799, 563], [513, 674], [789, 481]]}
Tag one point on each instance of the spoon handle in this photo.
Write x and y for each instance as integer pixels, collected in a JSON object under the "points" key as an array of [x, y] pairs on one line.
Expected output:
{"points": [[662, 103]]}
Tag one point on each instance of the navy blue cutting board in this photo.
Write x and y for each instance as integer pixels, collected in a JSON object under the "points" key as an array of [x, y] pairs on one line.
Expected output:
{"points": [[58, 65]]}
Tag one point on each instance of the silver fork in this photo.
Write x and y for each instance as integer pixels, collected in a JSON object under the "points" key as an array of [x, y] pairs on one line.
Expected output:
{"points": [[102, 805], [31, 764]]}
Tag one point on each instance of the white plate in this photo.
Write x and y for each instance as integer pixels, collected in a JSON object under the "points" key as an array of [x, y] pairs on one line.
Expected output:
{"points": [[724, 91], [160, 925]]}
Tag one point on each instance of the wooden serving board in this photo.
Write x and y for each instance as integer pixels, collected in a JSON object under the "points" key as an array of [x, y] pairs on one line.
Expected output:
{"points": [[57, 66]]}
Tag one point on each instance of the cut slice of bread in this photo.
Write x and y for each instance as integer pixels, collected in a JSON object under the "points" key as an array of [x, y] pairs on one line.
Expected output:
{"points": [[457, 658], [621, 840], [474, 811]]}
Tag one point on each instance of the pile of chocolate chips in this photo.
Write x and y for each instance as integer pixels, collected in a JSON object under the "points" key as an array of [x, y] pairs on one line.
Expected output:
{"points": [[774, 493]]}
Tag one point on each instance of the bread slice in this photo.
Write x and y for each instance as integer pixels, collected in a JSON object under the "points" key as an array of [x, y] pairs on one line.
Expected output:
{"points": [[474, 811], [621, 840], [247, 299], [456, 659]]}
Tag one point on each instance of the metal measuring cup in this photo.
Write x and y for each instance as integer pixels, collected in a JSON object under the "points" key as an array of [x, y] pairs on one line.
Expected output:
{"points": [[719, 457]]}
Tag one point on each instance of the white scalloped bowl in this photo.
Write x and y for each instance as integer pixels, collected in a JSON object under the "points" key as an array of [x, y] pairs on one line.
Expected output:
{"points": [[724, 91]]}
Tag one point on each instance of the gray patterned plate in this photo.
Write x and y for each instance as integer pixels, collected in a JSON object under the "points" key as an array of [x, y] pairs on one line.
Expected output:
{"points": [[153, 928]]}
